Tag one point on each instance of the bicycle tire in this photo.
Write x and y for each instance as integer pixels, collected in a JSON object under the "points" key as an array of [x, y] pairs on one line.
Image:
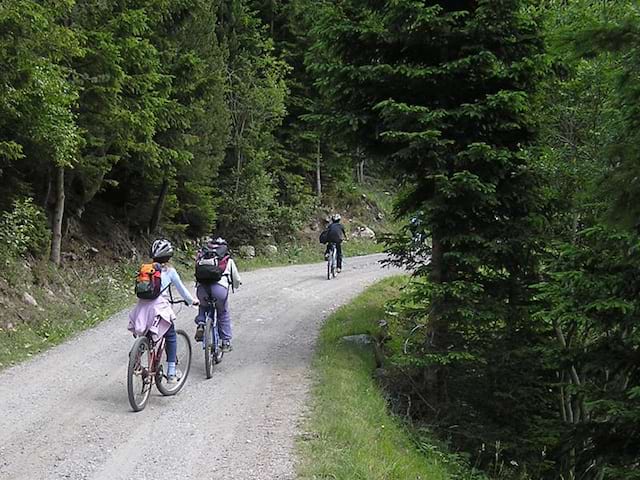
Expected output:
{"points": [[136, 369], [334, 261], [183, 352], [209, 357], [219, 353], [329, 268]]}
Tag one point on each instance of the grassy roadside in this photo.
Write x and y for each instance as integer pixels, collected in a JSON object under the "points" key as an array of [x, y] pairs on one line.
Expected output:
{"points": [[351, 435], [69, 300]]}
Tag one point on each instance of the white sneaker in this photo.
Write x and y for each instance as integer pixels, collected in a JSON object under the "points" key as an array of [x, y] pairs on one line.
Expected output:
{"points": [[172, 380]]}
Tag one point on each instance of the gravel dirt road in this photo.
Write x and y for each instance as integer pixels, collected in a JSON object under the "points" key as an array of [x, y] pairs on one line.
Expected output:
{"points": [[65, 414]]}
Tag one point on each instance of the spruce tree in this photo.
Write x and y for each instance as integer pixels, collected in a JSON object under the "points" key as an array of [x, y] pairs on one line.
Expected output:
{"points": [[444, 89]]}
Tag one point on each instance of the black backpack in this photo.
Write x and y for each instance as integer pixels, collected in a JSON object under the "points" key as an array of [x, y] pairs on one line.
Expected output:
{"points": [[211, 263], [324, 236]]}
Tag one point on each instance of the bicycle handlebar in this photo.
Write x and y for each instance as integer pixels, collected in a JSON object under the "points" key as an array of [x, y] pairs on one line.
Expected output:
{"points": [[173, 302]]}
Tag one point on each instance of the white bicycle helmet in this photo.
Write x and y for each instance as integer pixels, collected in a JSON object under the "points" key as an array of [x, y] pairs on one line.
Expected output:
{"points": [[161, 248], [336, 217]]}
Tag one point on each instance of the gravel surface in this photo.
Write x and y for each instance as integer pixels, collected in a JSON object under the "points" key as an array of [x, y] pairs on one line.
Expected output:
{"points": [[65, 414]]}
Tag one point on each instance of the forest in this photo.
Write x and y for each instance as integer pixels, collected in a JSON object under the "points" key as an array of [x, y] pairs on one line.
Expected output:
{"points": [[511, 128]]}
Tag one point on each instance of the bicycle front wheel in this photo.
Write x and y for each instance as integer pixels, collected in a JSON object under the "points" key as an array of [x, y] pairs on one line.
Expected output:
{"points": [[208, 341], [183, 365], [138, 374]]}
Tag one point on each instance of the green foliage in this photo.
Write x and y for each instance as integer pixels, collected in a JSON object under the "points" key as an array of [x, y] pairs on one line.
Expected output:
{"points": [[250, 198], [249, 213], [66, 313], [24, 230], [446, 90], [589, 300], [166, 114], [37, 125]]}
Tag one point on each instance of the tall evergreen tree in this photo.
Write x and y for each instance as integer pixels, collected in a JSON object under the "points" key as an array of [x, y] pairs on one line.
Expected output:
{"points": [[444, 88]]}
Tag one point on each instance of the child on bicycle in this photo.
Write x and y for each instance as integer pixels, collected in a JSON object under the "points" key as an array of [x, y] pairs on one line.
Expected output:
{"points": [[218, 291], [336, 235], [148, 310]]}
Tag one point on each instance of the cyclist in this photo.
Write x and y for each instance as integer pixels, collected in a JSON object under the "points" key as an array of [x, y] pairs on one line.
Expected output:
{"points": [[218, 291], [335, 234], [148, 311]]}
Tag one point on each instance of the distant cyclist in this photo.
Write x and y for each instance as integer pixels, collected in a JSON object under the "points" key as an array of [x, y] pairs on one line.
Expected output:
{"points": [[336, 235]]}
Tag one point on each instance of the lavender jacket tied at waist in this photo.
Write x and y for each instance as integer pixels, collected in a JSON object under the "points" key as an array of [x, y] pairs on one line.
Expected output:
{"points": [[155, 316]]}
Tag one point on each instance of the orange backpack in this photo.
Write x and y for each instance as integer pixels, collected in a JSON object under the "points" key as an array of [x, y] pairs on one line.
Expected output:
{"points": [[149, 281]]}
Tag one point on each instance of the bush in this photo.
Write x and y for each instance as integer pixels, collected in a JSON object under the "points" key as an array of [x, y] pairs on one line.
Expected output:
{"points": [[24, 229]]}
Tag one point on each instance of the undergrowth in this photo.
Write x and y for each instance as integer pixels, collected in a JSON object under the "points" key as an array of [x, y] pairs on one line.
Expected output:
{"points": [[350, 432]]}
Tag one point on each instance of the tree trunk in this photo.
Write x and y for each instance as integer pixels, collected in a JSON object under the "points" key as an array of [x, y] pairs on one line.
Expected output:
{"points": [[238, 167], [436, 376], [58, 214], [436, 326], [318, 176], [157, 209], [360, 166], [361, 172], [47, 196]]}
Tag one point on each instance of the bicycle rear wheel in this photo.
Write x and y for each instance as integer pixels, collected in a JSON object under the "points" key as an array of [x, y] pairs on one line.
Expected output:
{"points": [[183, 365], [218, 353], [138, 374], [208, 340], [334, 263], [331, 263]]}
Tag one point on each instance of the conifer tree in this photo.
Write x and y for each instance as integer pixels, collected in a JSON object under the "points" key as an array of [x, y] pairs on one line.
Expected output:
{"points": [[444, 89]]}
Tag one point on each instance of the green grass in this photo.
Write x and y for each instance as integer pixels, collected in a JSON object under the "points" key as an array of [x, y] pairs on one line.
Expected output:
{"points": [[92, 297], [351, 434], [306, 253]]}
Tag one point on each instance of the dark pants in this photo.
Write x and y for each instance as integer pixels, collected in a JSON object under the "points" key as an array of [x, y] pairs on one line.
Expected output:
{"points": [[338, 252], [171, 343]]}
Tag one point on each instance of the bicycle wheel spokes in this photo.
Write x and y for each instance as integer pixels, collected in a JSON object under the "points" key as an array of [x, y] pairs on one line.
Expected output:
{"points": [[139, 374]]}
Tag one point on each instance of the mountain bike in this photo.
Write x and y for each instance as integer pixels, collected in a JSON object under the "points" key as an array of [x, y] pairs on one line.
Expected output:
{"points": [[211, 342], [332, 261], [148, 366]]}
